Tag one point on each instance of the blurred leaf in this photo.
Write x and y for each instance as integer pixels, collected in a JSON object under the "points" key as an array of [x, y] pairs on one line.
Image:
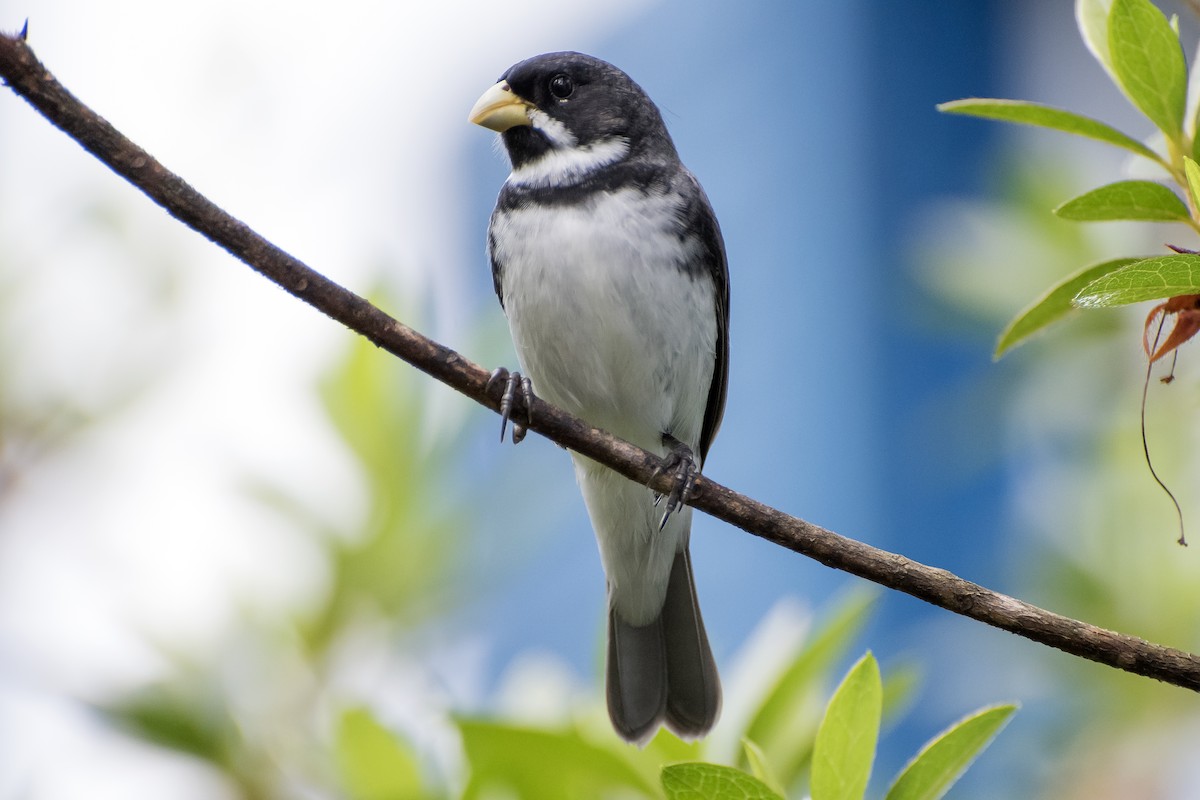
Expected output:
{"points": [[1191, 171], [1052, 306], [1126, 200], [1193, 99], [759, 767], [1024, 112], [374, 764], [785, 723], [1149, 63], [899, 687], [666, 748], [845, 747], [511, 761], [945, 757], [1147, 279], [1092, 18], [171, 717], [396, 561], [700, 781]]}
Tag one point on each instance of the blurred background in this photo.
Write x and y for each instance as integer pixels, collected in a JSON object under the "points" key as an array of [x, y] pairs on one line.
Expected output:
{"points": [[230, 532]]}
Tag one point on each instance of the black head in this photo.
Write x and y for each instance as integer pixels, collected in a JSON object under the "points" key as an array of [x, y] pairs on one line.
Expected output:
{"points": [[571, 101]]}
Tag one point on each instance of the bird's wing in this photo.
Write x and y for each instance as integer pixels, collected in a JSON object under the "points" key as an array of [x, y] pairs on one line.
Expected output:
{"points": [[700, 220]]}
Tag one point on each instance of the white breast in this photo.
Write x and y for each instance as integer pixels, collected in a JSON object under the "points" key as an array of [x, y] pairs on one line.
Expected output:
{"points": [[605, 322]]}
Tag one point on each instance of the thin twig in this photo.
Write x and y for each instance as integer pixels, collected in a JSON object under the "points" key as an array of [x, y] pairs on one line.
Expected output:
{"points": [[28, 78], [1145, 442]]}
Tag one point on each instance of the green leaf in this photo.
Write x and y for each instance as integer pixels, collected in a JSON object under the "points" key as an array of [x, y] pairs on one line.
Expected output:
{"points": [[759, 767], [1026, 113], [1092, 18], [1127, 200], [1148, 279], [845, 745], [374, 764], [1149, 63], [667, 748], [534, 764], [1052, 306], [701, 781], [1196, 135], [1193, 97], [945, 757], [393, 556], [1191, 171], [183, 716], [899, 688], [785, 723]]}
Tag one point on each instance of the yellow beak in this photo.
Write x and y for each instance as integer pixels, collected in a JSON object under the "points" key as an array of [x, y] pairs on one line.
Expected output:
{"points": [[500, 109]]}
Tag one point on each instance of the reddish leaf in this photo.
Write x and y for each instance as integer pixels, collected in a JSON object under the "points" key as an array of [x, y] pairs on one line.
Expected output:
{"points": [[1186, 308]]}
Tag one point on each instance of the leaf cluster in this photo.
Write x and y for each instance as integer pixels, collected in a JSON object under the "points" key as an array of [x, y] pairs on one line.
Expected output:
{"points": [[792, 738], [1140, 50], [844, 751]]}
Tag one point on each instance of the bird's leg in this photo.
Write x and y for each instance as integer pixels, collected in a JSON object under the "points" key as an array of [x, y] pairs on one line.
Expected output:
{"points": [[682, 464], [511, 398]]}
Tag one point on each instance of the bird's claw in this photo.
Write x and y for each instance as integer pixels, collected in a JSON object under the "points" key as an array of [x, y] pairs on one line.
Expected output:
{"points": [[509, 400], [682, 464]]}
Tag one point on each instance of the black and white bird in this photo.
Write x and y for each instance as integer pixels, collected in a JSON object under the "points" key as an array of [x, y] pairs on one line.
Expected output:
{"points": [[609, 264]]}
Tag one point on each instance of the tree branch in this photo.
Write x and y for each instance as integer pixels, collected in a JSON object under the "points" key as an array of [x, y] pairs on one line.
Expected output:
{"points": [[22, 71]]}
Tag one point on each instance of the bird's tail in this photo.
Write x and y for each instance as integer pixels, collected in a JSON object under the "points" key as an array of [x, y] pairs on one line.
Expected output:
{"points": [[663, 672]]}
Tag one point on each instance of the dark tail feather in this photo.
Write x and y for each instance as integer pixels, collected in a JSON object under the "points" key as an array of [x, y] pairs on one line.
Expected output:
{"points": [[637, 678], [694, 694], [663, 671]]}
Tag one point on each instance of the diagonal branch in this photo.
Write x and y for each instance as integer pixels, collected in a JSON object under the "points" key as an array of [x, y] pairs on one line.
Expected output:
{"points": [[26, 76]]}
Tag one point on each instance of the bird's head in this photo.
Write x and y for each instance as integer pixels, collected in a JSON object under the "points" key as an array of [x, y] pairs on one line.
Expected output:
{"points": [[564, 115]]}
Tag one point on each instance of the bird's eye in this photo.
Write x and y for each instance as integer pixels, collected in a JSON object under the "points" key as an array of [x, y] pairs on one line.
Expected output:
{"points": [[561, 86]]}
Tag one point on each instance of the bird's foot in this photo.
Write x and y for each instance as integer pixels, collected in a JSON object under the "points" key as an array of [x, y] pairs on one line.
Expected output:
{"points": [[681, 463], [518, 391]]}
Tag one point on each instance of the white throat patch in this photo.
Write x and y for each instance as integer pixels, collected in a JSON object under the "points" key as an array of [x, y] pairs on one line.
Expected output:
{"points": [[553, 130], [567, 166], [566, 163]]}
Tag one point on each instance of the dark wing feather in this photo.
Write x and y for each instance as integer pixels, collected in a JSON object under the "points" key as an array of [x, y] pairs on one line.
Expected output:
{"points": [[497, 267], [700, 221]]}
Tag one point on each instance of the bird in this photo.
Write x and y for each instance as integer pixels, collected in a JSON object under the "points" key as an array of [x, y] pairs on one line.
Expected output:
{"points": [[610, 267]]}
